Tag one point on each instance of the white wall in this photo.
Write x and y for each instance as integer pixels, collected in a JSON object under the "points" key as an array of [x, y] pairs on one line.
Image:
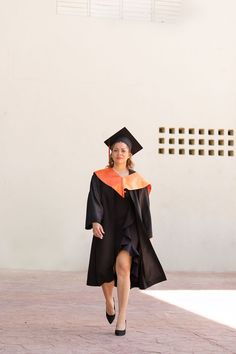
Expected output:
{"points": [[67, 83]]}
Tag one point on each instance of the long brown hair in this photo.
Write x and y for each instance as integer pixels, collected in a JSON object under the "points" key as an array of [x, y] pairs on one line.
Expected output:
{"points": [[129, 162]]}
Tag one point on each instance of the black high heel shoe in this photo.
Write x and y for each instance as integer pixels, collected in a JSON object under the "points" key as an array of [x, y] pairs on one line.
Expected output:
{"points": [[110, 318], [120, 332]]}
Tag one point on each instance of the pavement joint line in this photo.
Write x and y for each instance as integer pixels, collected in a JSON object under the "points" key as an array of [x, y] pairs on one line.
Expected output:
{"points": [[212, 341]]}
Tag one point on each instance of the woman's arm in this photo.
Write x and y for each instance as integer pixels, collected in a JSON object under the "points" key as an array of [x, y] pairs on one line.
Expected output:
{"points": [[98, 230]]}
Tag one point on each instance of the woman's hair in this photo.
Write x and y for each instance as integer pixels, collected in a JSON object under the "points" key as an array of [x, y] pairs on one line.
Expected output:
{"points": [[129, 162]]}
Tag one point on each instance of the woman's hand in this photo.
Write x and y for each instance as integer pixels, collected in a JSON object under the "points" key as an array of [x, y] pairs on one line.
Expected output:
{"points": [[98, 230]]}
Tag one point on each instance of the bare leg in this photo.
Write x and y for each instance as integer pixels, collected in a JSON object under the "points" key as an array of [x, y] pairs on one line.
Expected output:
{"points": [[108, 294], [123, 265]]}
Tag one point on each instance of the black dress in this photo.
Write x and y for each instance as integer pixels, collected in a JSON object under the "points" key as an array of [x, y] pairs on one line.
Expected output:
{"points": [[127, 224]]}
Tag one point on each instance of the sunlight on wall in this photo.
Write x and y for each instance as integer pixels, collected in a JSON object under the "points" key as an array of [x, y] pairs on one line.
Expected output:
{"points": [[215, 305]]}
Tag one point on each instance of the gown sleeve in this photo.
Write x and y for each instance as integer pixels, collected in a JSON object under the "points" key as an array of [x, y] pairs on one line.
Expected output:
{"points": [[145, 210], [94, 211]]}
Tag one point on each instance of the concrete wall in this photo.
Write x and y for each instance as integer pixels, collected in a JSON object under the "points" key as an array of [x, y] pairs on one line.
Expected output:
{"points": [[67, 83]]}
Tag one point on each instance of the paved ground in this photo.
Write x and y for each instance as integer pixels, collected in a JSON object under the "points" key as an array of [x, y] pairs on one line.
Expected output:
{"points": [[56, 313]]}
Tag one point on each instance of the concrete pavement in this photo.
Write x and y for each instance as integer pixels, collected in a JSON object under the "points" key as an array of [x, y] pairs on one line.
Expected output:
{"points": [[56, 313]]}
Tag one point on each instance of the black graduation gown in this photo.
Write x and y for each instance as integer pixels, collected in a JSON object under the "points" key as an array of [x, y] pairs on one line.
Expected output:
{"points": [[127, 225]]}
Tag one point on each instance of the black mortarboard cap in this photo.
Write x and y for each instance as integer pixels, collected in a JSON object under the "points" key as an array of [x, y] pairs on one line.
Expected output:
{"points": [[126, 137]]}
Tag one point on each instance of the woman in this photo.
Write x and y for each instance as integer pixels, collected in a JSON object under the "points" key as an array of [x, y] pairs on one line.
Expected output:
{"points": [[118, 212]]}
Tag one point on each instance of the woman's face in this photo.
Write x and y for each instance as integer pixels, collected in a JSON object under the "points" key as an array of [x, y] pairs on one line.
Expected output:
{"points": [[120, 153]]}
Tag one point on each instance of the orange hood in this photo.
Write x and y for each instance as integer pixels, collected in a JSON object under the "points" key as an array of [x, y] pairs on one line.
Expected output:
{"points": [[119, 184]]}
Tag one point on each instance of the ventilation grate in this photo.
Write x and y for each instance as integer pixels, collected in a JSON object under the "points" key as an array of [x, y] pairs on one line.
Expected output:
{"points": [[104, 8], [196, 142], [162, 11]]}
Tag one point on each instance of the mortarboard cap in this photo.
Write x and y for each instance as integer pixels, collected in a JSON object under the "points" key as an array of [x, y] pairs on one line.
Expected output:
{"points": [[126, 137]]}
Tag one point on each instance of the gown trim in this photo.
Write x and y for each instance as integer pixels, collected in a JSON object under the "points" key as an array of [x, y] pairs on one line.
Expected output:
{"points": [[119, 184]]}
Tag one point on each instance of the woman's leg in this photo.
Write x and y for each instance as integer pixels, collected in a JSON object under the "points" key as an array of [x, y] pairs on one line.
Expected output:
{"points": [[123, 265], [108, 294]]}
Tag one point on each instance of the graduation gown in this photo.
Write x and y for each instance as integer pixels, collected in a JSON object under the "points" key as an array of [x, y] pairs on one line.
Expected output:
{"points": [[121, 206]]}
